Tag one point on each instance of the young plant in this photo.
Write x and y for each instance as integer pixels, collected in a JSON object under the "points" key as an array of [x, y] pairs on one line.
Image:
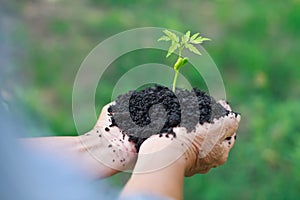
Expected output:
{"points": [[187, 41]]}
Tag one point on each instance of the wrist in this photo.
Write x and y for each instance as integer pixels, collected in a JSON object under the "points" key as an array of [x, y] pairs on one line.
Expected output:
{"points": [[86, 147], [107, 147], [157, 153], [71, 150], [156, 161]]}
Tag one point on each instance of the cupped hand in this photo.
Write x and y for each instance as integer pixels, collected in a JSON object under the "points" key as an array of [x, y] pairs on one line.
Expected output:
{"points": [[109, 145], [208, 146]]}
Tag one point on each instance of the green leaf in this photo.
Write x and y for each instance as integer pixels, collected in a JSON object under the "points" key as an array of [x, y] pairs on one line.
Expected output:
{"points": [[184, 60], [193, 49], [200, 40], [194, 36], [187, 34], [164, 38], [180, 63], [171, 35], [184, 39], [172, 48]]}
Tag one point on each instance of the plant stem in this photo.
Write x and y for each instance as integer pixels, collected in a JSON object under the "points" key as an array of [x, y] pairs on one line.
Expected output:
{"points": [[176, 71], [175, 80], [180, 51]]}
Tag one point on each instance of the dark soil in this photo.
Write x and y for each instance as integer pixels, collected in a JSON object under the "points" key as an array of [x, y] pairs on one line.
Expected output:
{"points": [[157, 110]]}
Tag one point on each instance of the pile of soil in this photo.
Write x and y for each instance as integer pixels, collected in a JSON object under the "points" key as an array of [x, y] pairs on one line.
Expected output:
{"points": [[157, 110]]}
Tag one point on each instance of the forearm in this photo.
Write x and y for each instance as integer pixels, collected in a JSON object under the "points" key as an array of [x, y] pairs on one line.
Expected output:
{"points": [[157, 178], [72, 150]]}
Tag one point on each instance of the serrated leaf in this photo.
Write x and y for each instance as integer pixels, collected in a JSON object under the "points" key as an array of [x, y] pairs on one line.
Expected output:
{"points": [[188, 34], [199, 40], [194, 36], [184, 39], [193, 49], [172, 48], [171, 35], [164, 38]]}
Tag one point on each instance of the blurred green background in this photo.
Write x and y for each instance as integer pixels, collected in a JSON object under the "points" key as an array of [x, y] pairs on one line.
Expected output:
{"points": [[255, 45]]}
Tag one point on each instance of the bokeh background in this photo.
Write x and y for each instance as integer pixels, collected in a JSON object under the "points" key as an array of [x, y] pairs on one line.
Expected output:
{"points": [[255, 45]]}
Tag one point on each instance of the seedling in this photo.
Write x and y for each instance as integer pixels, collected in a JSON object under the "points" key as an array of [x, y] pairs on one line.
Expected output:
{"points": [[187, 41], [131, 111]]}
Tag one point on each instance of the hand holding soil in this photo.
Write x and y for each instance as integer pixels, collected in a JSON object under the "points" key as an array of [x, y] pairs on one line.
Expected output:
{"points": [[204, 148], [187, 124], [108, 145], [211, 143], [164, 160]]}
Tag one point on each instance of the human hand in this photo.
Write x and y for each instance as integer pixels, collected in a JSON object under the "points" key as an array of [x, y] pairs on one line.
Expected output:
{"points": [[206, 147], [109, 145], [168, 158], [211, 144]]}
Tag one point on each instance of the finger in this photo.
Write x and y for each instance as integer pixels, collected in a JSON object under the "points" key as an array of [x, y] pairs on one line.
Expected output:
{"points": [[230, 125], [104, 112], [115, 134], [225, 104], [227, 146], [225, 127], [104, 119], [229, 141]]}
